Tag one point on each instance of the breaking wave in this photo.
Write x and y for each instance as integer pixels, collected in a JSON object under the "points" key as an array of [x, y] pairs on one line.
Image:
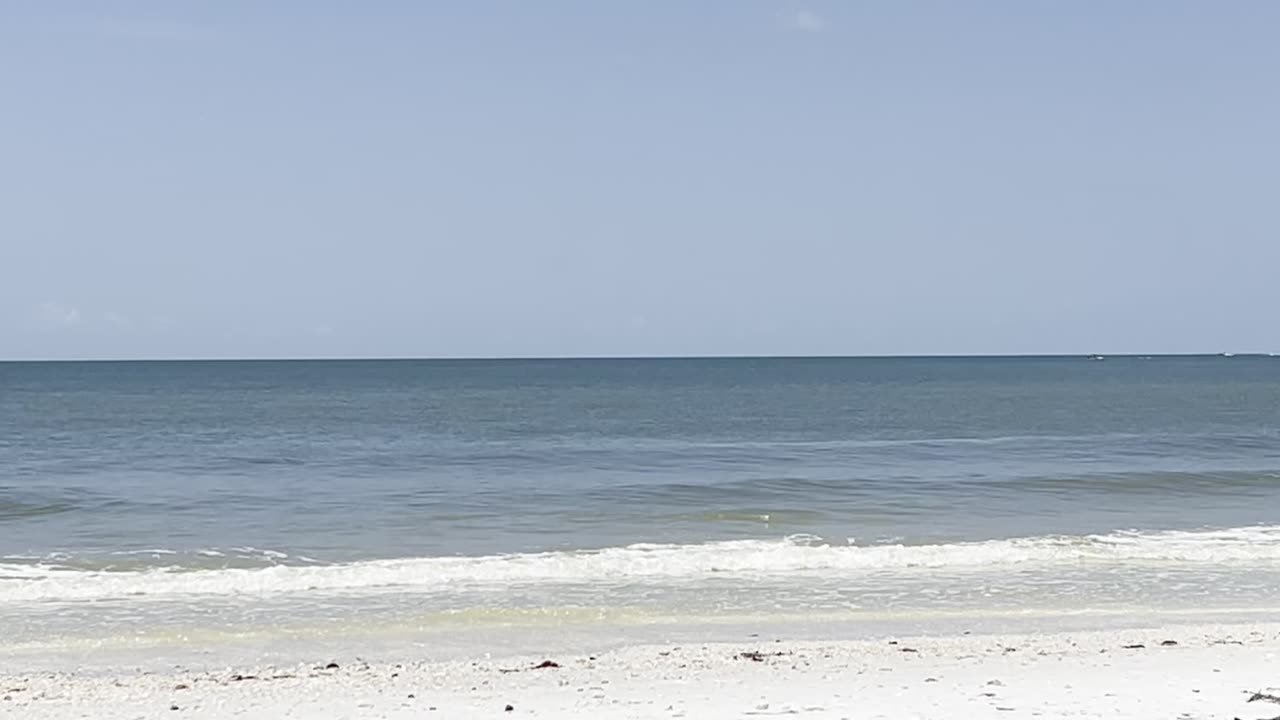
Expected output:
{"points": [[50, 580]]}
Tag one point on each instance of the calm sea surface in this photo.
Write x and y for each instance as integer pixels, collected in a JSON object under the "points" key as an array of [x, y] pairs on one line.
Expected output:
{"points": [[131, 493]]}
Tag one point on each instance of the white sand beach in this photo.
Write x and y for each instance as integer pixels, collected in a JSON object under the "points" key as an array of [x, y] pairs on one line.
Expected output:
{"points": [[1175, 672]]}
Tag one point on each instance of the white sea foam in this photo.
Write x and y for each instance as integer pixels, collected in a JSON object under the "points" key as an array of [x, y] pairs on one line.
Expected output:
{"points": [[150, 551], [797, 556]]}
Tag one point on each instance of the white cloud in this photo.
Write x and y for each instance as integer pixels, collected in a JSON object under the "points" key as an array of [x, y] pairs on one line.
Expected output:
{"points": [[58, 316], [804, 21], [117, 320], [52, 315]]}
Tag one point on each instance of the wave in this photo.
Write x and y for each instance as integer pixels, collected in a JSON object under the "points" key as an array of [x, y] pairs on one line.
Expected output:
{"points": [[19, 504], [795, 556], [638, 453], [144, 560], [879, 489], [24, 509]]}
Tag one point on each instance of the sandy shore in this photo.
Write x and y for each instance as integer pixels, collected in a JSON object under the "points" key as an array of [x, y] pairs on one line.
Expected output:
{"points": [[1174, 673]]}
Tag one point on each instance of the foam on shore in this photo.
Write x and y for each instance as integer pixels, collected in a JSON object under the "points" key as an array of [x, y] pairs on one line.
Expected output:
{"points": [[798, 556]]}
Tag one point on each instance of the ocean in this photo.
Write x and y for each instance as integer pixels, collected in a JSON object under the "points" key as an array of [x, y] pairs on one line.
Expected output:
{"points": [[159, 504]]}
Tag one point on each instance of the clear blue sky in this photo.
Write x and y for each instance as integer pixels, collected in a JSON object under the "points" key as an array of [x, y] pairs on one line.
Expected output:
{"points": [[231, 179]]}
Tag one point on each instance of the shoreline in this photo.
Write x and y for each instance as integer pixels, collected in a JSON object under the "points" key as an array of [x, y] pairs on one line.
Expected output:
{"points": [[1172, 671]]}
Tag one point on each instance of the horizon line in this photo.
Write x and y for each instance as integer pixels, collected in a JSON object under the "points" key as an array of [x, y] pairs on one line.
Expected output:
{"points": [[545, 358]]}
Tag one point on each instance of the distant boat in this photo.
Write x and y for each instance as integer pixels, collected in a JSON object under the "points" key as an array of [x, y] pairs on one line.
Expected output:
{"points": [[1227, 354], [1097, 357]]}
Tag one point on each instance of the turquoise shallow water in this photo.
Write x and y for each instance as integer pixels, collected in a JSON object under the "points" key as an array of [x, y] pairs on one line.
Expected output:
{"points": [[224, 494]]}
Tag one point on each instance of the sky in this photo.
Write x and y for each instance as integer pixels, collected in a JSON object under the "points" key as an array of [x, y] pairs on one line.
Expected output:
{"points": [[753, 177]]}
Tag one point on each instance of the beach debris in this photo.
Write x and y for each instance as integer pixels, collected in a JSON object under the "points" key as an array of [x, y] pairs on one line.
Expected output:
{"points": [[412, 696], [509, 708], [908, 650], [544, 665], [1168, 643], [757, 656], [238, 677], [1135, 646], [173, 707], [995, 683], [1263, 696], [182, 686], [331, 666]]}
